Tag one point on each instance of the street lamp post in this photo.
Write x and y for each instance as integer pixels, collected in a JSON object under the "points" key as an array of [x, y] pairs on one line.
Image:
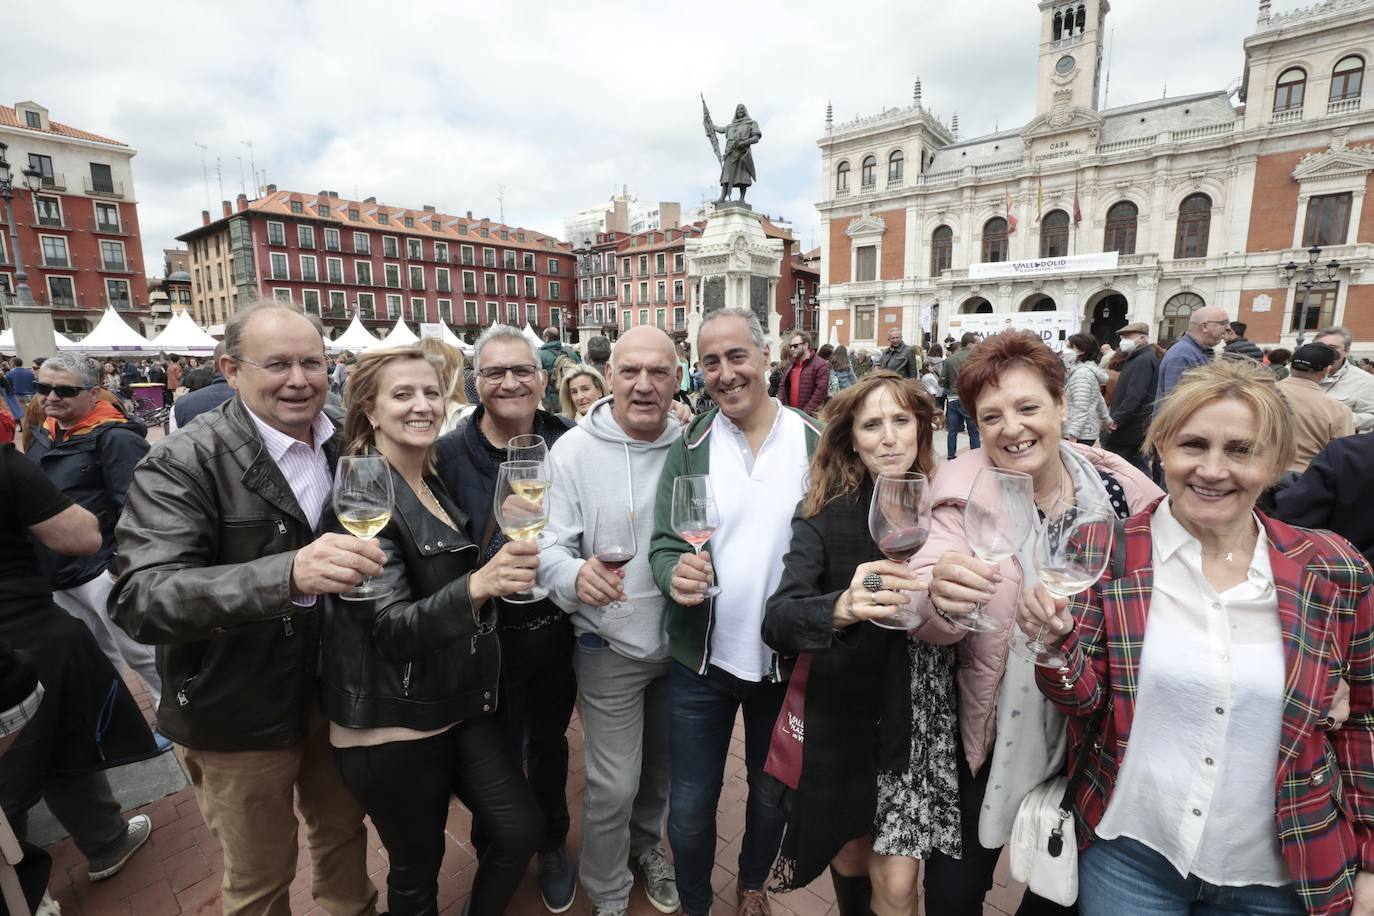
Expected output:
{"points": [[1306, 277], [31, 322]]}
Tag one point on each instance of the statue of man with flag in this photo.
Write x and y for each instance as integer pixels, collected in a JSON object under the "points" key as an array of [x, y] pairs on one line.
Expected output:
{"points": [[737, 161]]}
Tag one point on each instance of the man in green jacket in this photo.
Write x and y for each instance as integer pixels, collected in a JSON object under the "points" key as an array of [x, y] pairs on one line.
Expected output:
{"points": [[956, 418], [756, 453]]}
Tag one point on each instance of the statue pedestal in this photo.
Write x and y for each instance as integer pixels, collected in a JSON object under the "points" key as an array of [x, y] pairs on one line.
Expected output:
{"points": [[734, 265], [33, 332]]}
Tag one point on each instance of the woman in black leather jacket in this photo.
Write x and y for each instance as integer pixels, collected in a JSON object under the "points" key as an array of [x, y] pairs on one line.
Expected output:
{"points": [[410, 681]]}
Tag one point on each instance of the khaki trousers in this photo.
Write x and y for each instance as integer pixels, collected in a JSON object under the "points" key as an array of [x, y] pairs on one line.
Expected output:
{"points": [[246, 799]]}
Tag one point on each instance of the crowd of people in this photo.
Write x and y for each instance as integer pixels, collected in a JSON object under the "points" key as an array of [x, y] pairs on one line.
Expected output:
{"points": [[1211, 721]]}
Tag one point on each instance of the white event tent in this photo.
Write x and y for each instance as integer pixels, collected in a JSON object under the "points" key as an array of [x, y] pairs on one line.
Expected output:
{"points": [[184, 336], [356, 339], [399, 336], [533, 337], [453, 340], [61, 341], [112, 335]]}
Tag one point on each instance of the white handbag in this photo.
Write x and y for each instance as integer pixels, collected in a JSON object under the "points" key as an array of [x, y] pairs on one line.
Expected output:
{"points": [[1044, 847]]}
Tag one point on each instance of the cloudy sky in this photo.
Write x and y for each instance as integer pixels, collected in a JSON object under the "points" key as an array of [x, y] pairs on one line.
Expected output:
{"points": [[561, 103]]}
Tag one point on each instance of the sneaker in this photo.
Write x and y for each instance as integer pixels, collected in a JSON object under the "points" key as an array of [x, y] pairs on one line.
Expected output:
{"points": [[752, 903], [135, 835], [660, 879], [556, 884]]}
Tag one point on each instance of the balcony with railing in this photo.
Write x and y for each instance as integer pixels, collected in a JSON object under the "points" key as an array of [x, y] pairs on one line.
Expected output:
{"points": [[1286, 116], [103, 188], [894, 183], [54, 182], [107, 228], [114, 265], [868, 187], [443, 286], [57, 260], [50, 221], [1343, 106]]}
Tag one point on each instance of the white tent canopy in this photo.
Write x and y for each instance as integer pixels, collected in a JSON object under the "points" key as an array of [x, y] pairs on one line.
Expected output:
{"points": [[399, 336], [113, 335], [183, 335], [534, 338], [453, 340], [357, 339], [62, 341]]}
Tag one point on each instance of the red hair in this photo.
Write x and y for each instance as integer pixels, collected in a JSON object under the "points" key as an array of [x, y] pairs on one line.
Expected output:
{"points": [[996, 354]]}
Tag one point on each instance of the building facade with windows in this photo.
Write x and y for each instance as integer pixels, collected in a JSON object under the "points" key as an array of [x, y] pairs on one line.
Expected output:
{"points": [[1142, 212], [338, 258], [78, 234]]}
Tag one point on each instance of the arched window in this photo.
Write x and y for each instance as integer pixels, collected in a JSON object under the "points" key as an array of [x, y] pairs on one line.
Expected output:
{"points": [[1121, 221], [976, 306], [896, 166], [1082, 20], [1347, 80], [1174, 320], [1194, 223], [941, 250], [995, 239], [1058, 26], [842, 177], [870, 172], [1054, 234], [1290, 89]]}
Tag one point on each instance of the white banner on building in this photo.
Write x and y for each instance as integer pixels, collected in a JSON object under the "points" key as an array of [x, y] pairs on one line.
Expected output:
{"points": [[1053, 327], [992, 270], [428, 329]]}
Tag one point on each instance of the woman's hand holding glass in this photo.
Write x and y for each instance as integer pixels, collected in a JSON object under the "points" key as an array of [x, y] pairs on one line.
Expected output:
{"points": [[859, 603], [960, 584], [1044, 615], [510, 572]]}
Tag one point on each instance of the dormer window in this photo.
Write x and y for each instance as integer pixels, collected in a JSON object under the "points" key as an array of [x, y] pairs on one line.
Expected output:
{"points": [[33, 119]]}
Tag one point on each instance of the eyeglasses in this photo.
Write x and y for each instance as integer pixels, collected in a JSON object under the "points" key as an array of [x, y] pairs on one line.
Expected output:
{"points": [[498, 373], [310, 365], [62, 391], [795, 345]]}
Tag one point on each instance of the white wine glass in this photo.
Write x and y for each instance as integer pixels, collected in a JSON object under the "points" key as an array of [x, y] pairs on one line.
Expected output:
{"points": [[521, 509], [1072, 550], [899, 522], [363, 500], [614, 542], [694, 515], [998, 517], [533, 448]]}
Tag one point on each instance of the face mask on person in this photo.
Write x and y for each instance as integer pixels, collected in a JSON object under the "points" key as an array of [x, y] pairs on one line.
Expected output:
{"points": [[1127, 345]]}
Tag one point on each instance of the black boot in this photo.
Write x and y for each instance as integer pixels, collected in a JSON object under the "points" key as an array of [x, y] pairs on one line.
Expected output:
{"points": [[852, 895]]}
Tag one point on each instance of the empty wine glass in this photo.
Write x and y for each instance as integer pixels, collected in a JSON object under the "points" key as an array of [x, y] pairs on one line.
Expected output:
{"points": [[899, 521], [533, 448], [613, 543], [998, 517], [520, 507], [1072, 550], [694, 515], [363, 500]]}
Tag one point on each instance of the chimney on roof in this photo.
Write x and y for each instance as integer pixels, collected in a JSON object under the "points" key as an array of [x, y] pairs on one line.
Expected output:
{"points": [[429, 208], [469, 214], [322, 194], [205, 217], [370, 200], [228, 208], [242, 202], [271, 189]]}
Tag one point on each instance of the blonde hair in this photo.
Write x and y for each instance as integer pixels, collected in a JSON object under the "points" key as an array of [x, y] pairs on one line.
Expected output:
{"points": [[364, 382], [451, 370], [565, 388], [1222, 380]]}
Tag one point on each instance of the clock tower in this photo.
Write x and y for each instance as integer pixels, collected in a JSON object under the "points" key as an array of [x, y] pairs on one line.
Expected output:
{"points": [[1071, 39]]}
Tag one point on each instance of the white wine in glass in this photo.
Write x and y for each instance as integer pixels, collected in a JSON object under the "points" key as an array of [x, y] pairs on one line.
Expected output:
{"points": [[533, 448], [694, 515], [363, 500], [998, 517], [521, 509], [1072, 551]]}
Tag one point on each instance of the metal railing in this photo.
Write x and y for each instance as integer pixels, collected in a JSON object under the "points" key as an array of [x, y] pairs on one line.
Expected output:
{"points": [[54, 182], [108, 264], [104, 227], [101, 189]]}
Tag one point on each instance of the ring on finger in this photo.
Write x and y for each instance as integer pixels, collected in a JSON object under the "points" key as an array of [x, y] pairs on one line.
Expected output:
{"points": [[873, 582]]}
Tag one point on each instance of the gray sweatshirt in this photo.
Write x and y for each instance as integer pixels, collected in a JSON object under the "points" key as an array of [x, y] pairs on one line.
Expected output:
{"points": [[597, 464]]}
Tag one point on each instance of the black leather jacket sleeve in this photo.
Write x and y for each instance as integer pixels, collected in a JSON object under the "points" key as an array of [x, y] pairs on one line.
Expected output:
{"points": [[167, 590], [405, 628], [797, 618]]}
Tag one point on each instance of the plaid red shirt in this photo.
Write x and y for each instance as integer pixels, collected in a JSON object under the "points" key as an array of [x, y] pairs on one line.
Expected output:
{"points": [[1324, 789]]}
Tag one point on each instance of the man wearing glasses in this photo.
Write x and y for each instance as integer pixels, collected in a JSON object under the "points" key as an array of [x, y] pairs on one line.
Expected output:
{"points": [[806, 380], [88, 448], [1206, 327], [1347, 383], [220, 568], [538, 687]]}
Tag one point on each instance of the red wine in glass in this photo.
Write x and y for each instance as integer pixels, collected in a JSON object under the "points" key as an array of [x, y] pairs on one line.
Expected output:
{"points": [[904, 543], [614, 560]]}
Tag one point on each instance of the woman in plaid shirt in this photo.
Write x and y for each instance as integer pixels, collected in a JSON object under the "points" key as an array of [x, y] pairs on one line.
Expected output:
{"points": [[1206, 774]]}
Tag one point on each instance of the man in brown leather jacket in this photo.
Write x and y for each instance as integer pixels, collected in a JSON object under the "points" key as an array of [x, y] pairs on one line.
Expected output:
{"points": [[219, 566]]}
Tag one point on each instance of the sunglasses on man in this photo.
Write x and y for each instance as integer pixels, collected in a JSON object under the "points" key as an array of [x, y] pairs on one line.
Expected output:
{"points": [[62, 391]]}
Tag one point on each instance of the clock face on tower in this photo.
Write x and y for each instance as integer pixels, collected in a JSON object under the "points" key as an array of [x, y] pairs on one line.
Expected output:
{"points": [[1064, 64]]}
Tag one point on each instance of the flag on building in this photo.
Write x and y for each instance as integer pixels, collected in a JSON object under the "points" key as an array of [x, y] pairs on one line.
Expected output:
{"points": [[1077, 211], [1039, 199], [1011, 217]]}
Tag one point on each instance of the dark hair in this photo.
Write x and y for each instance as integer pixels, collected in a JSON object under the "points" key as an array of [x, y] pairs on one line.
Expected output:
{"points": [[996, 354], [1279, 356], [969, 339], [839, 360], [805, 336], [836, 469], [935, 351], [1085, 344], [598, 348], [1239, 327], [826, 352]]}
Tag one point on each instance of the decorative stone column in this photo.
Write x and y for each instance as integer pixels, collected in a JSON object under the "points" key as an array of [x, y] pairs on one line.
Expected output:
{"points": [[735, 265]]}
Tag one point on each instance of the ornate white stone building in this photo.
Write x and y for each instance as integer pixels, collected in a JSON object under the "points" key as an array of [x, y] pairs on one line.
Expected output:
{"points": [[1136, 213]]}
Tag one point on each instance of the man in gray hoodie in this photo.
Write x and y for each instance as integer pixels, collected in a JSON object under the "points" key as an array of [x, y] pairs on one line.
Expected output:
{"points": [[612, 462]]}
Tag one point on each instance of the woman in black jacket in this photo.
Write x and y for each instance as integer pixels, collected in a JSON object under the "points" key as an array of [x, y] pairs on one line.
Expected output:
{"points": [[410, 680], [878, 784]]}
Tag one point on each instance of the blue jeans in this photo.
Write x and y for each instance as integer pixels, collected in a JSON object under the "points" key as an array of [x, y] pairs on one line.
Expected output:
{"points": [[1123, 877], [704, 709], [956, 421]]}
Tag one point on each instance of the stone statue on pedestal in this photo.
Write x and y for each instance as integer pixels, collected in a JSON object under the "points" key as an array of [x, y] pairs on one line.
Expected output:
{"points": [[737, 161]]}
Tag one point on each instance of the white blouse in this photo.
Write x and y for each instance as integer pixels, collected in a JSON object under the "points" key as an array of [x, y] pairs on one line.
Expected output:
{"points": [[1197, 781]]}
